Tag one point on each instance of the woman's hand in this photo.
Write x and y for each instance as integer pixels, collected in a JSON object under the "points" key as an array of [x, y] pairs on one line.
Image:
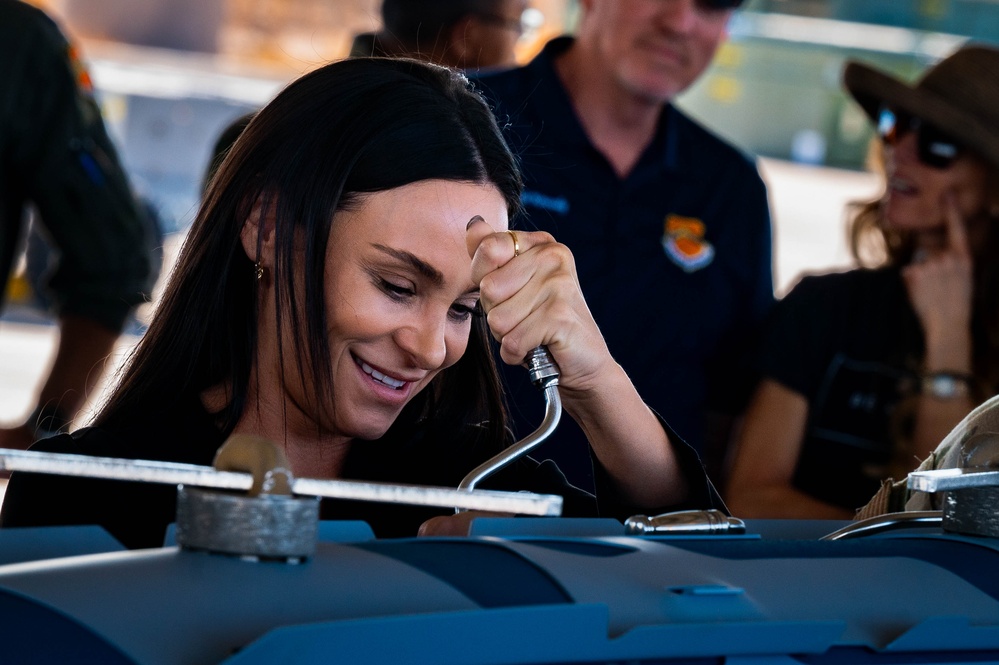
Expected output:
{"points": [[939, 284], [531, 296], [940, 287]]}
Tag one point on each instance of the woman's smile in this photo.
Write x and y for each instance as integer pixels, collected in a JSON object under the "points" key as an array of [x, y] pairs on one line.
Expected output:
{"points": [[379, 376], [384, 386]]}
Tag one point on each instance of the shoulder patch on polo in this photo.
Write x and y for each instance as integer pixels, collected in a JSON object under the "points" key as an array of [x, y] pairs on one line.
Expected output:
{"points": [[684, 243]]}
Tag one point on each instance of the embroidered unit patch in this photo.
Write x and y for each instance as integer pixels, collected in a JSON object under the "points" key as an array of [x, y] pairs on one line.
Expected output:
{"points": [[684, 243]]}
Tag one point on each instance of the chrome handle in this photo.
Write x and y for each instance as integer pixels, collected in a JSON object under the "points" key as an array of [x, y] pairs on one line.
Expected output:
{"points": [[544, 373], [542, 367], [684, 522]]}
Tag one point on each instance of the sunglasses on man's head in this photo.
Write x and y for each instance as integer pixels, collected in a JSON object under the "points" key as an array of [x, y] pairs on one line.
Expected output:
{"points": [[934, 147]]}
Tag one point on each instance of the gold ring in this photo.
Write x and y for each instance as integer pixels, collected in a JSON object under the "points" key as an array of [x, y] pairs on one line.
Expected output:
{"points": [[516, 245]]}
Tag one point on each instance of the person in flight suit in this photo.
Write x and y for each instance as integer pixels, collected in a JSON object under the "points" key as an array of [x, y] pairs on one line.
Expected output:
{"points": [[56, 156]]}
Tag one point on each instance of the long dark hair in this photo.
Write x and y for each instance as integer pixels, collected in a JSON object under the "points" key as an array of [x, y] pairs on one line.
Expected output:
{"points": [[352, 127]]}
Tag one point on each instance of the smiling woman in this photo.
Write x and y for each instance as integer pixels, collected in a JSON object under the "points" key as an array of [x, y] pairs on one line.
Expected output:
{"points": [[867, 371], [336, 295], [399, 310]]}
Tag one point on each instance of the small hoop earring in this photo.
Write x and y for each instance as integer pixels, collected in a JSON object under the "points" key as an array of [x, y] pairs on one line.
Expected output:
{"points": [[259, 270]]}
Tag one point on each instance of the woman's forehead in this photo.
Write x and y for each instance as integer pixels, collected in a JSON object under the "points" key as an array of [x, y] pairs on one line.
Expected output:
{"points": [[426, 222], [430, 206]]}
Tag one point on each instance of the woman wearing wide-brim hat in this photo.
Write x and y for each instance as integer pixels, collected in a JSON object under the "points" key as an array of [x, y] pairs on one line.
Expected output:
{"points": [[865, 372]]}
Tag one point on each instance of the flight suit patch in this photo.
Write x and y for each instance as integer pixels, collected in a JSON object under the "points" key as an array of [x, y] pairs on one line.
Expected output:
{"points": [[684, 243]]}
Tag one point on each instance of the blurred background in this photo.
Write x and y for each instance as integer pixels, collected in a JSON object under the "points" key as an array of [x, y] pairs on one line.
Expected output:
{"points": [[170, 74]]}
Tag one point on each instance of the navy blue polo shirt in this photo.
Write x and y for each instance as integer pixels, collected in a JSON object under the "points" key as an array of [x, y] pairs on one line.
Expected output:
{"points": [[674, 260]]}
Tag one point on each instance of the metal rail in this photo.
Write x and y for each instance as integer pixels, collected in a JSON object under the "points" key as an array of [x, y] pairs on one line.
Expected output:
{"points": [[174, 473]]}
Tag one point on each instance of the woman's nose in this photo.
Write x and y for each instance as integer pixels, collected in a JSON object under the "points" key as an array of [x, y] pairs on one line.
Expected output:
{"points": [[424, 340], [904, 149]]}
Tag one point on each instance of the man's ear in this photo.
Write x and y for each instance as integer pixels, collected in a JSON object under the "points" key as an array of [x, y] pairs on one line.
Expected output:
{"points": [[257, 234]]}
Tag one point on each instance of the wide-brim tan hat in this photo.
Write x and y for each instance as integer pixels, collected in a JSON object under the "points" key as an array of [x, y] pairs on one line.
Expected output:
{"points": [[959, 95]]}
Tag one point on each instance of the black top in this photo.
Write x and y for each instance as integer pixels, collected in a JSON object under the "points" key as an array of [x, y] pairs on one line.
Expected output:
{"points": [[137, 514], [674, 259], [851, 344]]}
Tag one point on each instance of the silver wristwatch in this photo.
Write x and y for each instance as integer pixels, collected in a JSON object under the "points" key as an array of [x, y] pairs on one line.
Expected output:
{"points": [[945, 385]]}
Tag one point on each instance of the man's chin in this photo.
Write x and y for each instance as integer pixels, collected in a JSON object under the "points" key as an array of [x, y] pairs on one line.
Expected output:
{"points": [[653, 89]]}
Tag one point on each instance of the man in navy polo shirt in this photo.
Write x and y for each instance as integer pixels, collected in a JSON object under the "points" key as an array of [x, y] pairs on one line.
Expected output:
{"points": [[669, 224]]}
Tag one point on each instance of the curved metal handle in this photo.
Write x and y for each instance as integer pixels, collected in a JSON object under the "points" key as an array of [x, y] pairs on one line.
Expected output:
{"points": [[889, 522], [544, 373]]}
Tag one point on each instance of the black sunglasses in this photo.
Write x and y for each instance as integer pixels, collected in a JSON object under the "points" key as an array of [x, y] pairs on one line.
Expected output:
{"points": [[719, 4], [933, 146]]}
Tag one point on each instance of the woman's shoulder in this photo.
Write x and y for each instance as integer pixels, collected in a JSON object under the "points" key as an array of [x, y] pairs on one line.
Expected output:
{"points": [[862, 283]]}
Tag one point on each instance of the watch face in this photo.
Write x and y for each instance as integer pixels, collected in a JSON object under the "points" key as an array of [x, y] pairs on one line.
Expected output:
{"points": [[944, 386]]}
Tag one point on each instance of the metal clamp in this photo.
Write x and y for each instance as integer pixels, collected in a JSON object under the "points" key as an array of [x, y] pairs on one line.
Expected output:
{"points": [[684, 522]]}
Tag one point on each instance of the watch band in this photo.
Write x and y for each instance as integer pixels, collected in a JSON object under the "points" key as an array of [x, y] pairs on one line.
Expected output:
{"points": [[945, 385]]}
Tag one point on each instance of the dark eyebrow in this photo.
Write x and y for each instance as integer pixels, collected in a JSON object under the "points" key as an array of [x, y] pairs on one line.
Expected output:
{"points": [[421, 266]]}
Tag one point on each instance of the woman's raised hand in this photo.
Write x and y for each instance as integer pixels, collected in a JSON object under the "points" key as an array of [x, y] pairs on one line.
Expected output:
{"points": [[531, 296], [939, 284]]}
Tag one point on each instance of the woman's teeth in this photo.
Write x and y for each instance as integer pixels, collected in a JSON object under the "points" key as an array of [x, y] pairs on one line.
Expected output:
{"points": [[378, 376]]}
